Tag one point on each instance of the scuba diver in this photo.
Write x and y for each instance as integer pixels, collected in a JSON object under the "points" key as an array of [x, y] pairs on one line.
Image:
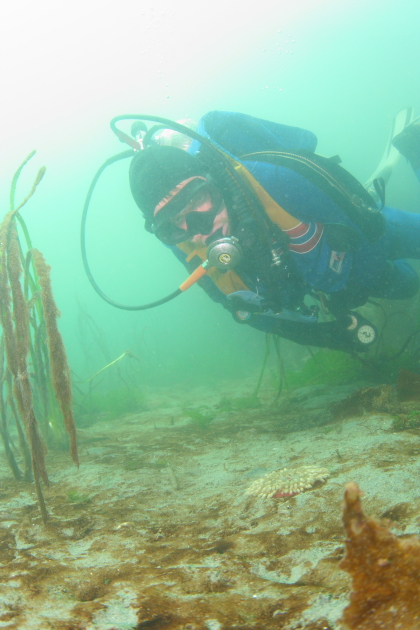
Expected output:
{"points": [[273, 231]]}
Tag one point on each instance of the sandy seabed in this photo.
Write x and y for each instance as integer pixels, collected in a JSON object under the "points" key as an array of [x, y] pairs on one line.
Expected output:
{"points": [[155, 529]]}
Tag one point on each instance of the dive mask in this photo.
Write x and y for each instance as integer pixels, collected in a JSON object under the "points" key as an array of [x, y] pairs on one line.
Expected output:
{"points": [[172, 225]]}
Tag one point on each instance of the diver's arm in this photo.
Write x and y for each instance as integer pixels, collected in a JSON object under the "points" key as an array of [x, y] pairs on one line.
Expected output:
{"points": [[333, 335]]}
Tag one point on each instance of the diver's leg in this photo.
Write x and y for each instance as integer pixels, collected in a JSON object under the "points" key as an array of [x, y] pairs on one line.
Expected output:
{"points": [[402, 235], [379, 268], [408, 144], [398, 282]]}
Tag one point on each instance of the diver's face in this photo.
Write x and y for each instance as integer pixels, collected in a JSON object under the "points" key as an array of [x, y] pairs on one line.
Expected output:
{"points": [[204, 214], [220, 223]]}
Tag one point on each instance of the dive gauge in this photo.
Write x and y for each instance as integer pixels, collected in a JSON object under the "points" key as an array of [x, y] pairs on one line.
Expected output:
{"points": [[366, 334], [363, 330]]}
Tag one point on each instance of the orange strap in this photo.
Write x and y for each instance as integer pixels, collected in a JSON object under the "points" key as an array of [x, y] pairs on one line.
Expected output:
{"points": [[275, 212], [226, 281], [196, 275]]}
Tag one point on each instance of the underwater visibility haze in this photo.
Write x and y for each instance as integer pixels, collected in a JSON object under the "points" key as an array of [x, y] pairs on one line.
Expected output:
{"points": [[205, 487]]}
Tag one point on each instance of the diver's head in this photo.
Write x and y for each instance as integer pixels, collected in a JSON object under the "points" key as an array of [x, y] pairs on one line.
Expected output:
{"points": [[177, 197]]}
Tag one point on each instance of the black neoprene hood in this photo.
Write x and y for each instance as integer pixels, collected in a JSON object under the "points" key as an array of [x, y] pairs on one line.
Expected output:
{"points": [[155, 172]]}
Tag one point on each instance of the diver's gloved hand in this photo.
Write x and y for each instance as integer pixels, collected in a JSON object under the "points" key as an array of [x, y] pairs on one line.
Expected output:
{"points": [[360, 332], [245, 304], [247, 301]]}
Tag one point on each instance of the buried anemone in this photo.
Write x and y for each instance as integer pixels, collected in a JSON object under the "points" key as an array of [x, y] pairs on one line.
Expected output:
{"points": [[287, 482]]}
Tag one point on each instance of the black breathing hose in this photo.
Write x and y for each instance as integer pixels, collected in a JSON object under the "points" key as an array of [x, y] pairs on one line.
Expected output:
{"points": [[142, 307], [218, 159], [247, 203]]}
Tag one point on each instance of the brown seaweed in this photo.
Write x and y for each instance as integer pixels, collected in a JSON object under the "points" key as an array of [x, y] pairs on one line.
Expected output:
{"points": [[23, 317], [16, 337], [60, 371], [408, 385]]}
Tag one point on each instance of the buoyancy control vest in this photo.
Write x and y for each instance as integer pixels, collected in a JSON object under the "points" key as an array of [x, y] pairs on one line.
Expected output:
{"points": [[256, 264], [247, 138]]}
